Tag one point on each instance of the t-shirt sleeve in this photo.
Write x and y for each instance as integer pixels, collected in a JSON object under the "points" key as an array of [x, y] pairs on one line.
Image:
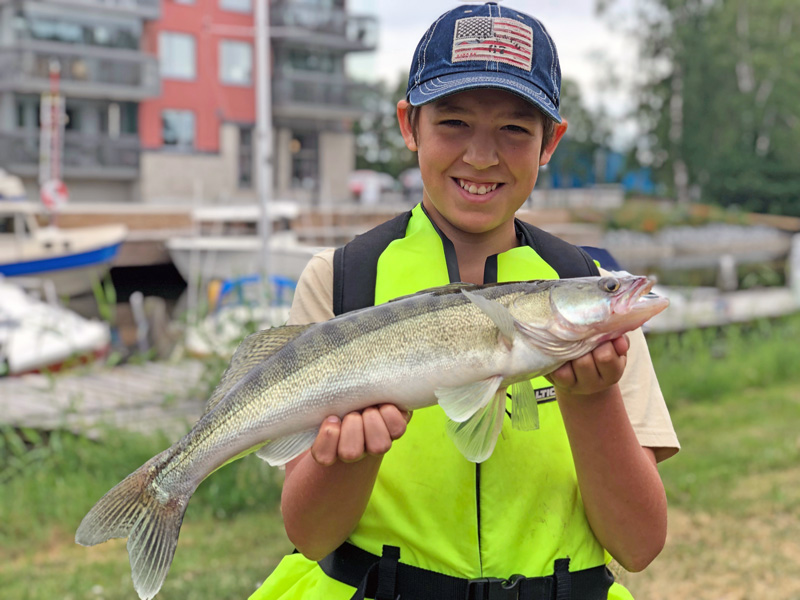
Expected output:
{"points": [[313, 297], [644, 401]]}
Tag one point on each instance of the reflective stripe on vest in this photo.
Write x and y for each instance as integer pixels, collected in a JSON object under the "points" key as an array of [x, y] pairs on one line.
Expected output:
{"points": [[515, 513]]}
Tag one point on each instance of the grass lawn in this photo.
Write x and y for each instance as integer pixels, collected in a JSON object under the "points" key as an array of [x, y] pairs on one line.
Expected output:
{"points": [[734, 491], [216, 559]]}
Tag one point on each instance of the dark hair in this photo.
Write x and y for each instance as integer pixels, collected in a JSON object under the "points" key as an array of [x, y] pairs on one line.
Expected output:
{"points": [[548, 125]]}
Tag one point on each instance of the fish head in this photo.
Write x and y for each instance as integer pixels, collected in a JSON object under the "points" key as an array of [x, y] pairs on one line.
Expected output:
{"points": [[596, 308]]}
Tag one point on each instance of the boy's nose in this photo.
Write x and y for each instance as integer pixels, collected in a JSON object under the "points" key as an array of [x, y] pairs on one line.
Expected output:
{"points": [[481, 152]]}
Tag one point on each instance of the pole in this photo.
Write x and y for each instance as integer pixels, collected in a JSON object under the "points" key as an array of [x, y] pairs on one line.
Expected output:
{"points": [[263, 134]]}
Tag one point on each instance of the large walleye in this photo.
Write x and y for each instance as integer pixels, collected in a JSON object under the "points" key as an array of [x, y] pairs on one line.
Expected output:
{"points": [[461, 345]]}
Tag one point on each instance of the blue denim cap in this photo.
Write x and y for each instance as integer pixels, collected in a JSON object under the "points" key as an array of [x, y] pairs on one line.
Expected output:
{"points": [[486, 46]]}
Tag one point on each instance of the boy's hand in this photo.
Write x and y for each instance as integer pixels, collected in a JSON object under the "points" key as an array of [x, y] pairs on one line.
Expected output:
{"points": [[593, 372], [359, 434]]}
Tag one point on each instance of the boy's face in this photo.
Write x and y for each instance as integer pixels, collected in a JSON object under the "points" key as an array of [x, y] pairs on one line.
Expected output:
{"points": [[479, 153]]}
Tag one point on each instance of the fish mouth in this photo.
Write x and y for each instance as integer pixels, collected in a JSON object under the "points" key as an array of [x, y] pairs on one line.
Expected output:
{"points": [[639, 298], [632, 307]]}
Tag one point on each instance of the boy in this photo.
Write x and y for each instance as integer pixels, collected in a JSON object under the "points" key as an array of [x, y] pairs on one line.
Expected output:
{"points": [[383, 506]]}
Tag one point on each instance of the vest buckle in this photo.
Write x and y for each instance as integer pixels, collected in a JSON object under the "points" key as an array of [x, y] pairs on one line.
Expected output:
{"points": [[492, 588]]}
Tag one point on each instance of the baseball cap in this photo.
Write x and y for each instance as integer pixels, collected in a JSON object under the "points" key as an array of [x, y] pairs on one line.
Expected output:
{"points": [[479, 46]]}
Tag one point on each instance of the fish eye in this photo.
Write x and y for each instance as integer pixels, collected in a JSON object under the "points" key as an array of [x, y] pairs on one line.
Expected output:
{"points": [[610, 284]]}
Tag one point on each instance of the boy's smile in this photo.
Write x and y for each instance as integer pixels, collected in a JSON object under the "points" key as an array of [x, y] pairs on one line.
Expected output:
{"points": [[479, 153]]}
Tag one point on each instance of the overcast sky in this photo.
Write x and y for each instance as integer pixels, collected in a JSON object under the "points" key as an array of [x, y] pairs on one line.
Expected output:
{"points": [[585, 42]]}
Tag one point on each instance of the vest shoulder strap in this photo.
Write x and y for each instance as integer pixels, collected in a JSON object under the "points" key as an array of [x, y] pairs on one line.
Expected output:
{"points": [[568, 260], [355, 265]]}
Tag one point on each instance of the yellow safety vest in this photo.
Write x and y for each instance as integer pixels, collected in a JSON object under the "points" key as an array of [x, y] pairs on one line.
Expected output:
{"points": [[517, 512]]}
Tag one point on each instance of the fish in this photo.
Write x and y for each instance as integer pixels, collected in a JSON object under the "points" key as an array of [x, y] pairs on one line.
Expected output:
{"points": [[461, 346]]}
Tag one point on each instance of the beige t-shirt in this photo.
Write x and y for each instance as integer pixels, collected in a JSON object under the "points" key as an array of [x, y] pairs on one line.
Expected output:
{"points": [[313, 303]]}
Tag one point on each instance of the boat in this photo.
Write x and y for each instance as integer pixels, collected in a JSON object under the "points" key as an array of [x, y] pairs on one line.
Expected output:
{"points": [[225, 244], [38, 334], [72, 258]]}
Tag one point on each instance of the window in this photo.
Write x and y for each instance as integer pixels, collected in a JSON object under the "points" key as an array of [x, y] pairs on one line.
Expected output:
{"points": [[176, 52], [305, 159], [245, 157], [177, 129], [112, 33], [310, 60], [236, 5], [235, 63]]}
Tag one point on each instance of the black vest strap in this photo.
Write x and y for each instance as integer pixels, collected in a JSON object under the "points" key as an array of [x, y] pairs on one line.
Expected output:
{"points": [[385, 578], [355, 265], [567, 260]]}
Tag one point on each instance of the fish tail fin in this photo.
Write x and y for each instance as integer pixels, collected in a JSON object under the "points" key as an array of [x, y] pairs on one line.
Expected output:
{"points": [[148, 516]]}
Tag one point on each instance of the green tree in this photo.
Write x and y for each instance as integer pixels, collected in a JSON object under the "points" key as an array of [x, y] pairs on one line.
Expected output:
{"points": [[587, 138], [379, 145], [718, 99]]}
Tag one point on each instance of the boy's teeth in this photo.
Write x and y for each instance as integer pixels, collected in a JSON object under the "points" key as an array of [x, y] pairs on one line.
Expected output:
{"points": [[477, 189]]}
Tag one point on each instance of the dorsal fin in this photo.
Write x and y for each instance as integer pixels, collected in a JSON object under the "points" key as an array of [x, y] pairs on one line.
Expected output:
{"points": [[450, 288], [254, 349]]}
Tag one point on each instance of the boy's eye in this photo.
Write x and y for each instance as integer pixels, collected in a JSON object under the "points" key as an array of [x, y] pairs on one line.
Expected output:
{"points": [[516, 129], [452, 123]]}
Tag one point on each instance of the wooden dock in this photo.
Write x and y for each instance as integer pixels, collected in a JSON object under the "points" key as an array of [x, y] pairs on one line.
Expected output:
{"points": [[155, 396]]}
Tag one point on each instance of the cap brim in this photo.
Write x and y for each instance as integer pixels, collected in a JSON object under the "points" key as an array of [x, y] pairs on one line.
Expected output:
{"points": [[439, 87]]}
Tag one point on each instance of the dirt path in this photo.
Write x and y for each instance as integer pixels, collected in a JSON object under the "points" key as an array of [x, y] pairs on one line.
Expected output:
{"points": [[721, 557]]}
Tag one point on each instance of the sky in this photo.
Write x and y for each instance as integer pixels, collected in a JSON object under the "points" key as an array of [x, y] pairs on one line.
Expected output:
{"points": [[585, 42]]}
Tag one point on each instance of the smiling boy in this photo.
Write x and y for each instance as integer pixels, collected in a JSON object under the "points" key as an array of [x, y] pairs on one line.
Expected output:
{"points": [[383, 506]]}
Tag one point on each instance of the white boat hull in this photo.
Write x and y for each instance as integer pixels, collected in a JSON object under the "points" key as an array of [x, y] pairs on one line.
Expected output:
{"points": [[37, 335], [202, 259], [72, 258]]}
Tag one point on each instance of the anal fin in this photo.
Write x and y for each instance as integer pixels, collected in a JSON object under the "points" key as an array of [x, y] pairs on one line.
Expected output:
{"points": [[282, 450]]}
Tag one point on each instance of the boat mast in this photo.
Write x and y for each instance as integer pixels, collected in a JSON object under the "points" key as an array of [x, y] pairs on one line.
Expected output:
{"points": [[264, 168]]}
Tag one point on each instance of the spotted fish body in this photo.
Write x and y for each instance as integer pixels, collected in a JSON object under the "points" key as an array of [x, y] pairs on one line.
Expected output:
{"points": [[461, 346]]}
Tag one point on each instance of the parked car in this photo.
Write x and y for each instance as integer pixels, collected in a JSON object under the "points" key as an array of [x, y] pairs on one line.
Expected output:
{"points": [[411, 180], [366, 186]]}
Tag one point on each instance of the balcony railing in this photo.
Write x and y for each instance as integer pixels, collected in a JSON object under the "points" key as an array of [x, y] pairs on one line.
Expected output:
{"points": [[305, 97], [325, 27], [147, 9], [84, 154], [85, 72]]}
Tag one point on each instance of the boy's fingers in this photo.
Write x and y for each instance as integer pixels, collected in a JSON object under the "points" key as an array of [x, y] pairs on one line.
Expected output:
{"points": [[351, 440], [395, 420], [324, 450], [563, 376], [377, 440], [609, 362], [622, 344]]}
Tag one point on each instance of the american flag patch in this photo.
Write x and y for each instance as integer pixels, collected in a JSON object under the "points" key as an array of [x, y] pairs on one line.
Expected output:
{"points": [[493, 38]]}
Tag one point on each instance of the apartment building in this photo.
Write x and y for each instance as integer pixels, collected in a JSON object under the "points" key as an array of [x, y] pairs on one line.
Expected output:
{"points": [[198, 136], [104, 74]]}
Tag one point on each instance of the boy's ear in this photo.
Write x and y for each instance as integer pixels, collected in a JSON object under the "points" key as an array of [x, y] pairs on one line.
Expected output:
{"points": [[405, 125], [547, 153]]}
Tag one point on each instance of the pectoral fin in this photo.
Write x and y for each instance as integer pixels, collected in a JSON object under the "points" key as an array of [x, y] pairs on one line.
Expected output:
{"points": [[497, 313], [460, 403], [281, 451], [477, 436], [524, 407]]}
